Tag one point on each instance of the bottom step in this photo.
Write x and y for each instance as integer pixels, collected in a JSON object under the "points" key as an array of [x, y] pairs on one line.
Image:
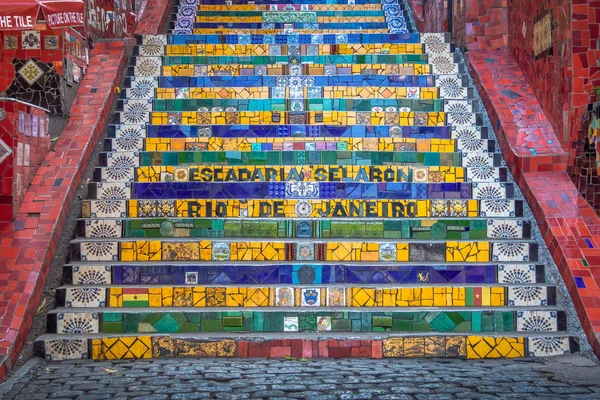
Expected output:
{"points": [[107, 347]]}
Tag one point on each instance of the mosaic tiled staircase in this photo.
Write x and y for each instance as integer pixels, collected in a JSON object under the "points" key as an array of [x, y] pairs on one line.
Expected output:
{"points": [[306, 180]]}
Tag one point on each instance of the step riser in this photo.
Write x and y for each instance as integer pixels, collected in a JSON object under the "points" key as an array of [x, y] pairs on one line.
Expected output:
{"points": [[282, 49], [300, 190], [294, 321], [283, 298], [373, 252], [439, 43], [302, 274], [463, 347], [357, 131], [290, 103], [203, 208], [325, 173], [303, 229]]}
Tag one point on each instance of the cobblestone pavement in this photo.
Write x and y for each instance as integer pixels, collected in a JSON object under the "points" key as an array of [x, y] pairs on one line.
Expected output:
{"points": [[569, 377]]}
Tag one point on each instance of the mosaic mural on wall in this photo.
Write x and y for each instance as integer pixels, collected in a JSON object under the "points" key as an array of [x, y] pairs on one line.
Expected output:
{"points": [[37, 83]]}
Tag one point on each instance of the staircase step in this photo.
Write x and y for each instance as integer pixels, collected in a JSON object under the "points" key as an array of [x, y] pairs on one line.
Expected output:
{"points": [[129, 132], [112, 207], [436, 43], [290, 104], [474, 229], [182, 249], [441, 63], [302, 190], [344, 82], [441, 274], [299, 157], [314, 296], [251, 50], [306, 345], [118, 321], [324, 173]]}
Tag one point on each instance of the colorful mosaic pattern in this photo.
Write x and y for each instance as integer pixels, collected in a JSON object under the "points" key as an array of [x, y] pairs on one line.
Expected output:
{"points": [[308, 167], [319, 321]]}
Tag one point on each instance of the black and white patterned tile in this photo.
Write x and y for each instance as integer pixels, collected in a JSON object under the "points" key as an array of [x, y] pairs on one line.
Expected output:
{"points": [[122, 159], [99, 250], [505, 229], [91, 275], [104, 209], [66, 349], [108, 174], [537, 321], [443, 63], [547, 346], [497, 208], [435, 43], [85, 296], [532, 295], [103, 228], [148, 66], [517, 273], [451, 87], [511, 251], [112, 191], [77, 323]]}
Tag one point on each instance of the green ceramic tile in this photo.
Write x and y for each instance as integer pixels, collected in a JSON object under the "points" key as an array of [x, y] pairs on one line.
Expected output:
{"points": [[273, 322], [341, 325], [382, 322], [112, 317], [259, 321], [402, 325], [112, 327], [232, 321], [211, 326]]}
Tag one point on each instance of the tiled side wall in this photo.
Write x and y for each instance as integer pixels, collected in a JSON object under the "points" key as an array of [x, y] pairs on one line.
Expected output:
{"points": [[26, 253]]}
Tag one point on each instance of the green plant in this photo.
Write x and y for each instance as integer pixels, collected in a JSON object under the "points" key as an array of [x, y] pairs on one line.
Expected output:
{"points": [[595, 90]]}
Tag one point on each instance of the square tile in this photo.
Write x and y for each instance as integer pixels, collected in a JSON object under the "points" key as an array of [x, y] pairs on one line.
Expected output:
{"points": [[30, 40], [11, 42], [310, 297], [191, 278], [547, 346], [77, 323], [516, 274], [290, 324], [85, 296], [284, 297], [527, 296], [51, 42], [305, 251], [91, 275], [537, 321], [387, 252], [323, 324], [66, 349], [336, 297]]}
